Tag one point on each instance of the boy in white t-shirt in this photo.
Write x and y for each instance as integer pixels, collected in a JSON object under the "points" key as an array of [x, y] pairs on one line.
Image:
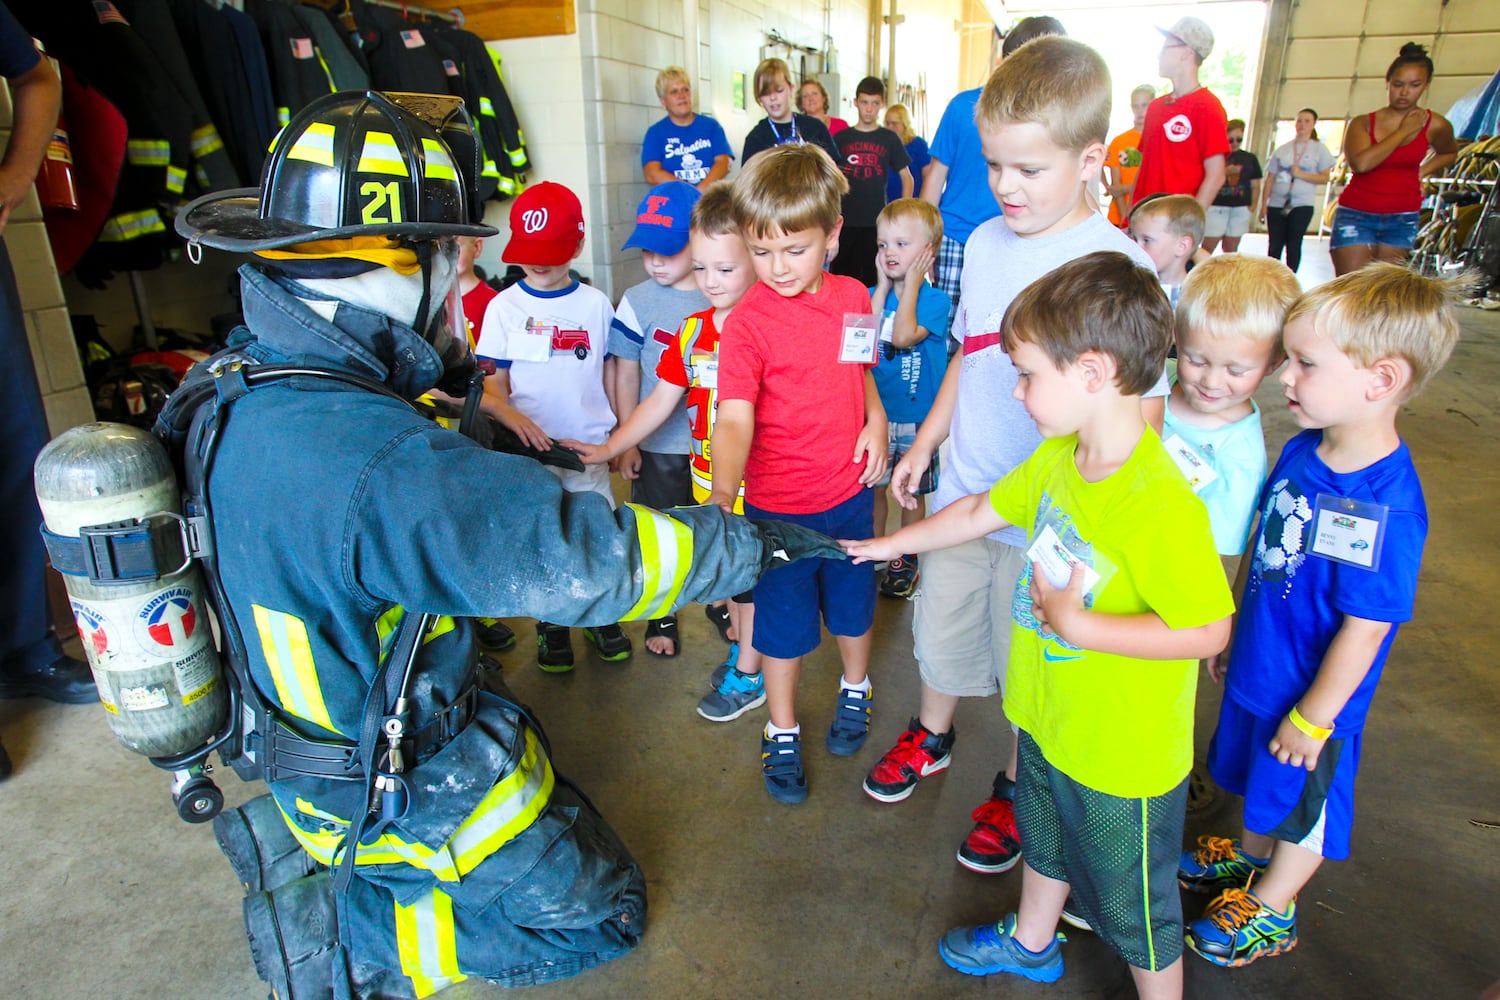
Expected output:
{"points": [[547, 334], [1042, 120]]}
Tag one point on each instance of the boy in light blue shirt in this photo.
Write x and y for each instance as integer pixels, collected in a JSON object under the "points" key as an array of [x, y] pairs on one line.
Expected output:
{"points": [[913, 354], [1228, 330]]}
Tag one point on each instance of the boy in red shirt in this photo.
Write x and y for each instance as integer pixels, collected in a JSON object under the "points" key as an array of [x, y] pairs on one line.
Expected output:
{"points": [[800, 421]]}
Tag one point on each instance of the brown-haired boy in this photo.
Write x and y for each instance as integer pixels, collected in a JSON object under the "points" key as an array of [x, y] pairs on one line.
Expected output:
{"points": [[1122, 596], [800, 421]]}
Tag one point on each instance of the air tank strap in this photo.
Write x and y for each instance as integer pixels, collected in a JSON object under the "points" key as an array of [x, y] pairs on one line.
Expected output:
{"points": [[134, 551]]}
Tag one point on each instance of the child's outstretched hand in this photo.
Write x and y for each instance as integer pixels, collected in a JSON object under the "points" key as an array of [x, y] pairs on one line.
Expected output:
{"points": [[869, 549], [588, 454], [1218, 666], [1292, 746], [1055, 608]]}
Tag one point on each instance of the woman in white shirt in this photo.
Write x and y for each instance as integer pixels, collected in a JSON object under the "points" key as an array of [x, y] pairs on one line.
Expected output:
{"points": [[1291, 187]]}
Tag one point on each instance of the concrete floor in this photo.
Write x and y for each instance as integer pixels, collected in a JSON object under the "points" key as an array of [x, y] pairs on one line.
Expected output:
{"points": [[106, 894]]}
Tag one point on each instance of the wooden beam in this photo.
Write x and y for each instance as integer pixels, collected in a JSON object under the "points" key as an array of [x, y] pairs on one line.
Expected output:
{"points": [[496, 19]]}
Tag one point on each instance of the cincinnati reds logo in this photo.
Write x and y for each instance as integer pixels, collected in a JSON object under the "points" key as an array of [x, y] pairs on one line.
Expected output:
{"points": [[170, 618], [1178, 128], [533, 220]]}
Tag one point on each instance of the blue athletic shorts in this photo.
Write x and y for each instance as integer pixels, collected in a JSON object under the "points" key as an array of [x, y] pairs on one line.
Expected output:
{"points": [[794, 601], [1312, 809], [1352, 228]]}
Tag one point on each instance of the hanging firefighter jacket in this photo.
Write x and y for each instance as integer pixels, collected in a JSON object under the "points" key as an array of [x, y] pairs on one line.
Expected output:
{"points": [[505, 162], [96, 40], [299, 74], [229, 63]]}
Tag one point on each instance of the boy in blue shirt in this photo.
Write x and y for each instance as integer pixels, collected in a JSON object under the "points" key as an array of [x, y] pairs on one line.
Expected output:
{"points": [[913, 358], [1334, 572]]}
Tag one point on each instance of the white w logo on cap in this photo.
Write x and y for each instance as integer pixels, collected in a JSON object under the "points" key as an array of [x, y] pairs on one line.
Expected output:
{"points": [[534, 220]]}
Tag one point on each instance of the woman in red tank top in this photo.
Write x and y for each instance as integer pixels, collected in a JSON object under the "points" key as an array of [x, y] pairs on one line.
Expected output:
{"points": [[1390, 152]]}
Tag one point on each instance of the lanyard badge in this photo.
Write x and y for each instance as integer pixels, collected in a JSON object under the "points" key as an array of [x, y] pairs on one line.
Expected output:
{"points": [[1349, 531]]}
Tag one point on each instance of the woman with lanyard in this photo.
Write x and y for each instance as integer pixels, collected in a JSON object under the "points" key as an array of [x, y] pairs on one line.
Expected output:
{"points": [[1295, 171], [898, 120], [773, 91], [1390, 152], [812, 100]]}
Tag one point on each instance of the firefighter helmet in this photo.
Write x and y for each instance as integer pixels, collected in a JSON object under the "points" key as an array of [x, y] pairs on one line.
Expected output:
{"points": [[353, 164]]}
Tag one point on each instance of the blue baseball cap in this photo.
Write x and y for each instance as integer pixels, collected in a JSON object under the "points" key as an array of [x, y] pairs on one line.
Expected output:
{"points": [[661, 221]]}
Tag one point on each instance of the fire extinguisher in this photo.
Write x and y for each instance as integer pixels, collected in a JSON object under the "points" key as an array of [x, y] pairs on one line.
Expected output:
{"points": [[54, 181], [111, 503]]}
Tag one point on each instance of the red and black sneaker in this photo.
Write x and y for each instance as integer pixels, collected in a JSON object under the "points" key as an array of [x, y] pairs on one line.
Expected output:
{"points": [[994, 845], [918, 753]]}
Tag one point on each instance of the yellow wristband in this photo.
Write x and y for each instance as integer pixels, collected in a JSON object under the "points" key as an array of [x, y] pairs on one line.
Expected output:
{"points": [[1308, 729]]}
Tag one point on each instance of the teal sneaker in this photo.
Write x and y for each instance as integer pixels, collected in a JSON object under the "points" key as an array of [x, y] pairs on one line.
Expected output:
{"points": [[1217, 864], [732, 660], [991, 948], [735, 695], [1237, 928]]}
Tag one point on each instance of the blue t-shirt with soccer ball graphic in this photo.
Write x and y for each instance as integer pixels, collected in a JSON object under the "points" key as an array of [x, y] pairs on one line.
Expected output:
{"points": [[1295, 600]]}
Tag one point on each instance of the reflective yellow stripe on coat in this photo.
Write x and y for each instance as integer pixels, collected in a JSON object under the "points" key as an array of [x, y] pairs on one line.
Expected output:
{"points": [[425, 940], [666, 555], [506, 810]]}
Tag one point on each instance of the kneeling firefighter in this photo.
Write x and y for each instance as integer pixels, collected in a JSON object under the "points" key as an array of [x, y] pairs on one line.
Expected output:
{"points": [[344, 527]]}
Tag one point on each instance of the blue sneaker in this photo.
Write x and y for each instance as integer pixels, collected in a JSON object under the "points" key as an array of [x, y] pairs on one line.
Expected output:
{"points": [[851, 722], [735, 695], [732, 660], [781, 766], [1218, 863], [990, 948], [1237, 928]]}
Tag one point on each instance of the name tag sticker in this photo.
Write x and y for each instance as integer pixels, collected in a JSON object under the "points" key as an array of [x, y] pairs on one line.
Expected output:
{"points": [[861, 334], [1349, 531], [1192, 463], [888, 328], [1056, 560], [705, 372], [530, 343]]}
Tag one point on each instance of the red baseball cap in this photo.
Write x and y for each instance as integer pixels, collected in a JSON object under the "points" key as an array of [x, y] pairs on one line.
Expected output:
{"points": [[546, 223]]}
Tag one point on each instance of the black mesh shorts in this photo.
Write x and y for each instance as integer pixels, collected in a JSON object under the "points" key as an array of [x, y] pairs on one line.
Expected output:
{"points": [[1119, 856], [664, 481]]}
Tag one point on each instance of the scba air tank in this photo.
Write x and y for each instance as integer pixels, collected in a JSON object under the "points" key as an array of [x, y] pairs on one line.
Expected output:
{"points": [[148, 641]]}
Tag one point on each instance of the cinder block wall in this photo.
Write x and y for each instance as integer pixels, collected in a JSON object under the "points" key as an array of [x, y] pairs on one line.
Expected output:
{"points": [[58, 369]]}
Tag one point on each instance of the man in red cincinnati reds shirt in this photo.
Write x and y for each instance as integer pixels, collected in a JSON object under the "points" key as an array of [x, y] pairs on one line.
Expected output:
{"points": [[1185, 138]]}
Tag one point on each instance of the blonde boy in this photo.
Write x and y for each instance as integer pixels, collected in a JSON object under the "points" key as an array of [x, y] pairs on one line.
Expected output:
{"points": [[1228, 332], [800, 422], [1042, 118], [914, 355], [1169, 228], [1334, 573], [1123, 595]]}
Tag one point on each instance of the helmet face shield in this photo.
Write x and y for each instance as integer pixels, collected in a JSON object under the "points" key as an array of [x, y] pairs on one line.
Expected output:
{"points": [[353, 164]]}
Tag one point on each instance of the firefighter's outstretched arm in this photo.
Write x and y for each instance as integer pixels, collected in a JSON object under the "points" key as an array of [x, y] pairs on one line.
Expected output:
{"points": [[531, 548]]}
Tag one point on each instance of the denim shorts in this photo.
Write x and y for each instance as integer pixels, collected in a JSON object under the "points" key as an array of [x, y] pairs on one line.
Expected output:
{"points": [[1353, 228], [794, 601]]}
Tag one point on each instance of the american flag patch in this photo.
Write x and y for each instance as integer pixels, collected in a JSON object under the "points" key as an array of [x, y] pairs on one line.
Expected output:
{"points": [[107, 14], [302, 48], [413, 39]]}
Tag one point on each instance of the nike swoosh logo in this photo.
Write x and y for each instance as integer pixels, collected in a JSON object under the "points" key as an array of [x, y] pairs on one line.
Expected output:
{"points": [[1051, 657]]}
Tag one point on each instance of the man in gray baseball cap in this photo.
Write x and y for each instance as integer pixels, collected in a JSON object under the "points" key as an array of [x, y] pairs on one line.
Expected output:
{"points": [[1184, 141]]}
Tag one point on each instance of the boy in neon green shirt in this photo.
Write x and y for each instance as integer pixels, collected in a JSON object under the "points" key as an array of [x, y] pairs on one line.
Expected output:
{"points": [[1123, 595]]}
